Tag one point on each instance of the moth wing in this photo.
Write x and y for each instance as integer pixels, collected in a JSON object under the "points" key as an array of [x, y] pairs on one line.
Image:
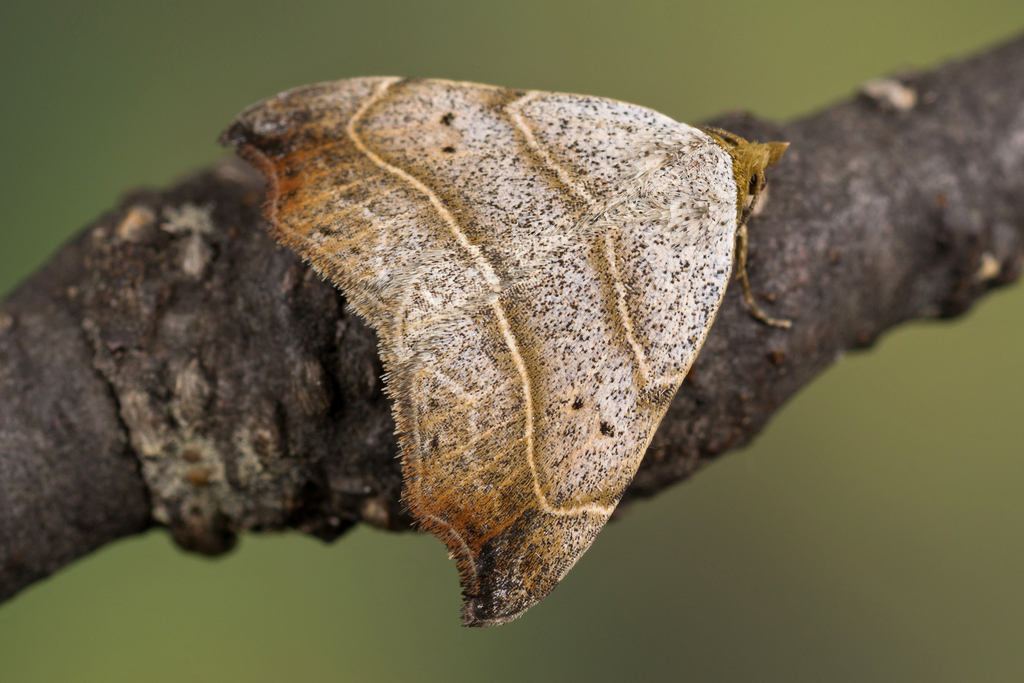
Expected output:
{"points": [[510, 249]]}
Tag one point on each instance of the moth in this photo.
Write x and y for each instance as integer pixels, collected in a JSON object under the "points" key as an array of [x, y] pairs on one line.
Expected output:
{"points": [[541, 270]]}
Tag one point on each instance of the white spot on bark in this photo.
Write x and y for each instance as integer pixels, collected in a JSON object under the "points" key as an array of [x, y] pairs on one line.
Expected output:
{"points": [[195, 256], [889, 93], [192, 392], [133, 226], [144, 425], [988, 269], [188, 218]]}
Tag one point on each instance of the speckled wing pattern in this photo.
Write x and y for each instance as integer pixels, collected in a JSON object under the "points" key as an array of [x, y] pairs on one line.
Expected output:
{"points": [[541, 270]]}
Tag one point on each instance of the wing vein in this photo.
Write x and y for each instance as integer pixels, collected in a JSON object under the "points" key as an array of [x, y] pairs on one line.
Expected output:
{"points": [[515, 113]]}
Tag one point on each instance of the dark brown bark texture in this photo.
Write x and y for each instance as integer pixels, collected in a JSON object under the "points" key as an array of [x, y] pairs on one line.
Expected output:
{"points": [[173, 365]]}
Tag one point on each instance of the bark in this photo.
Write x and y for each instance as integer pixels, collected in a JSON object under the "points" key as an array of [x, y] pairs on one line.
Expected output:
{"points": [[172, 365]]}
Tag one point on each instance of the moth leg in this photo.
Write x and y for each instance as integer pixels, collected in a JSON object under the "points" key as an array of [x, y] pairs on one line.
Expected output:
{"points": [[741, 251]]}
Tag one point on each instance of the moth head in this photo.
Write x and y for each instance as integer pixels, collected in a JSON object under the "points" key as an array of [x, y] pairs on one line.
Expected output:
{"points": [[749, 161]]}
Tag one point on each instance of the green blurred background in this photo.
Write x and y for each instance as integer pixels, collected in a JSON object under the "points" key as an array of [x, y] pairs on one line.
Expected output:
{"points": [[872, 533]]}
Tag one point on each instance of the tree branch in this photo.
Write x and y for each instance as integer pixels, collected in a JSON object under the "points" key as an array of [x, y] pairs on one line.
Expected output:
{"points": [[172, 364]]}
